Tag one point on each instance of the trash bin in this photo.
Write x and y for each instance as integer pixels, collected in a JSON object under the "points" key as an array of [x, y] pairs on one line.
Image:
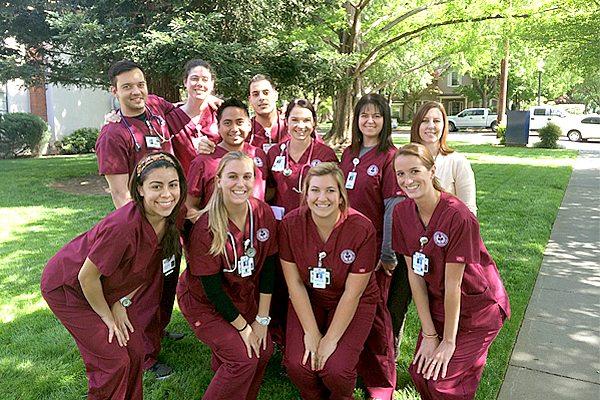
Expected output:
{"points": [[517, 128]]}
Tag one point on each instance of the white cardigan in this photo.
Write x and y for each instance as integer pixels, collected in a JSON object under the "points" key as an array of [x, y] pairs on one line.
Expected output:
{"points": [[456, 176]]}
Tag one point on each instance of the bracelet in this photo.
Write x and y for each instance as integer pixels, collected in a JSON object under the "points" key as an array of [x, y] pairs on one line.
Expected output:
{"points": [[245, 326], [426, 336]]}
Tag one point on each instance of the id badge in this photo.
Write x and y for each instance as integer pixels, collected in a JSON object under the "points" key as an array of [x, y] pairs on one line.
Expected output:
{"points": [[351, 180], [152, 142], [278, 164], [320, 277], [420, 263], [267, 146], [279, 212], [168, 265], [245, 266]]}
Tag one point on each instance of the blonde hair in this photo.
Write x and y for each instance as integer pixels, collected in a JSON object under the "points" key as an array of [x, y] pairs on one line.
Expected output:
{"points": [[322, 169], [218, 217], [420, 151]]}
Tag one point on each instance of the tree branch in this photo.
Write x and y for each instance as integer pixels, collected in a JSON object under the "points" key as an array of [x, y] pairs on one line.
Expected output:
{"points": [[411, 13], [374, 52], [366, 66], [398, 77], [380, 21], [329, 42]]}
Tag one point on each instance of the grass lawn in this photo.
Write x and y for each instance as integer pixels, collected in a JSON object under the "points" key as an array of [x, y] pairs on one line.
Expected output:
{"points": [[518, 194]]}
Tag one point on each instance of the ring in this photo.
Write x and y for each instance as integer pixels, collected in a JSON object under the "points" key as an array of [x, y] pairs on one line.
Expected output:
{"points": [[430, 359], [313, 354]]}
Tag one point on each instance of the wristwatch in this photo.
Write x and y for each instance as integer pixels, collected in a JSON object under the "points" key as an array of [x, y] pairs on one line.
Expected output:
{"points": [[264, 321], [125, 301]]}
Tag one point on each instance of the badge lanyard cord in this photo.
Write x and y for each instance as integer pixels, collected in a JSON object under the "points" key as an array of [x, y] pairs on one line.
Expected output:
{"points": [[307, 163], [247, 242], [151, 128]]}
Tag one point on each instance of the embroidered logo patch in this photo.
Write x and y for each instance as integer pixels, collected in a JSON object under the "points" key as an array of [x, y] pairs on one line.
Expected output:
{"points": [[460, 259], [263, 234], [315, 162], [258, 162], [440, 239], [373, 170], [348, 256]]}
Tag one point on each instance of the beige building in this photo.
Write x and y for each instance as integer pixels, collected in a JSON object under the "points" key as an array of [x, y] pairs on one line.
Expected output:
{"points": [[444, 89]]}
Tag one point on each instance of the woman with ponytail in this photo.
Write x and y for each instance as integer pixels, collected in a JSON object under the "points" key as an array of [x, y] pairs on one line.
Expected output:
{"points": [[90, 283], [225, 292], [456, 287]]}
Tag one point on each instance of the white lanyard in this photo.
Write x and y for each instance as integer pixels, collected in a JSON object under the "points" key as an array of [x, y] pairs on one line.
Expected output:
{"points": [[288, 171]]}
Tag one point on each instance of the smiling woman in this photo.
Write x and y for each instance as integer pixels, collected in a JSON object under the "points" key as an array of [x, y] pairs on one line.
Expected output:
{"points": [[90, 282], [225, 293]]}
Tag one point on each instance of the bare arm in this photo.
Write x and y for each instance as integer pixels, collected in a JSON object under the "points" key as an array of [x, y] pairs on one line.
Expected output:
{"points": [[418, 288], [443, 354], [344, 312], [89, 278], [118, 189], [193, 206], [303, 308]]}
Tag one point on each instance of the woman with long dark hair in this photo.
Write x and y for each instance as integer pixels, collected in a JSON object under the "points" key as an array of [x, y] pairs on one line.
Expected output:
{"points": [[90, 283]]}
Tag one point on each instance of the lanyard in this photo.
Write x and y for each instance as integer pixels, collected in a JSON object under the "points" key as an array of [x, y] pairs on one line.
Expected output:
{"points": [[270, 135], [150, 126], [287, 171], [249, 249]]}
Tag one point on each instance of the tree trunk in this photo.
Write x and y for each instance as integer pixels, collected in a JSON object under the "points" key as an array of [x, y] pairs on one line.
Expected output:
{"points": [[163, 86]]}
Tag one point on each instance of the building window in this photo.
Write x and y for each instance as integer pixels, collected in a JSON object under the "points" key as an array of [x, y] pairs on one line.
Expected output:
{"points": [[454, 79], [456, 107], [3, 99]]}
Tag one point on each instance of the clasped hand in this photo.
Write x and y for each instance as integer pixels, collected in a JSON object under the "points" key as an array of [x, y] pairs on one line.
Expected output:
{"points": [[433, 357], [319, 348], [118, 324]]}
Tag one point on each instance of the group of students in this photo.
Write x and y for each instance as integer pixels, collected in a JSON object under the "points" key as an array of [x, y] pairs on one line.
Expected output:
{"points": [[283, 243]]}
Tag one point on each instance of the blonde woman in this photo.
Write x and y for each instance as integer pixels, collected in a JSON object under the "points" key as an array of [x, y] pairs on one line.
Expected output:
{"points": [[225, 292], [328, 253]]}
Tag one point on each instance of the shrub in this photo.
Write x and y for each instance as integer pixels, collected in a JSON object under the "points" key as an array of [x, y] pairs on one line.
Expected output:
{"points": [[81, 141], [501, 133], [21, 134], [549, 136]]}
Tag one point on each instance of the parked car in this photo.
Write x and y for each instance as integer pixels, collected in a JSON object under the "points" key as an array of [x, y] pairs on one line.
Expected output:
{"points": [[586, 128], [539, 116], [473, 118]]}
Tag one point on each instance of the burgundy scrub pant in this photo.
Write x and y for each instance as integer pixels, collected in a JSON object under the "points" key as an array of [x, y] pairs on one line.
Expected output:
{"points": [[236, 375], [377, 365], [337, 380], [464, 369], [114, 372], [154, 305]]}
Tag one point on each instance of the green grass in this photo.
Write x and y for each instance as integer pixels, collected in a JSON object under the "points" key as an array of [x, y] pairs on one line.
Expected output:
{"points": [[518, 194]]}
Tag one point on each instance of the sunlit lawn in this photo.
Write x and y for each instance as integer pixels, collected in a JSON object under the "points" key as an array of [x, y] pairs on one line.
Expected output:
{"points": [[518, 194]]}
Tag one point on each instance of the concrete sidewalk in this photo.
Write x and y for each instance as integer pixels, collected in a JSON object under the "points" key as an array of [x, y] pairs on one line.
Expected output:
{"points": [[557, 353]]}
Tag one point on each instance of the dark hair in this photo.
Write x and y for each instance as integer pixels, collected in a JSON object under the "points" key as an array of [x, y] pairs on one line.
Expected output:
{"points": [[418, 118], [385, 136], [261, 77], [119, 67], [161, 159], [198, 63], [232, 103], [301, 103], [424, 155]]}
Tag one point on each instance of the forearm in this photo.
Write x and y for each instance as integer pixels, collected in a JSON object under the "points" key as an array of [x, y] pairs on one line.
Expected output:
{"points": [[92, 289], [418, 289], [344, 313], [264, 304], [118, 189], [452, 293], [303, 308]]}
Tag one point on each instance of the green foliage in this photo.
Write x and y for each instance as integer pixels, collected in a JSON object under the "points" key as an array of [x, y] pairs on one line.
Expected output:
{"points": [[549, 136], [501, 133], [22, 134], [81, 141]]}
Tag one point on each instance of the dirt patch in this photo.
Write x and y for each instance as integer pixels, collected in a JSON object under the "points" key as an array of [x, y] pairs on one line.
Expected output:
{"points": [[90, 185]]}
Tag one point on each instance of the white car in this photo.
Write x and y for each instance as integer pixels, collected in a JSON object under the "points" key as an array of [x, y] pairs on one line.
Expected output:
{"points": [[586, 128]]}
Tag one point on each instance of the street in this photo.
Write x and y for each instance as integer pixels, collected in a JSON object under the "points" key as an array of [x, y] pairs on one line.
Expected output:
{"points": [[487, 136]]}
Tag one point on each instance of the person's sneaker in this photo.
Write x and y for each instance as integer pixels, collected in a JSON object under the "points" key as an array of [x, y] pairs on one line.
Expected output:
{"points": [[161, 371], [175, 336]]}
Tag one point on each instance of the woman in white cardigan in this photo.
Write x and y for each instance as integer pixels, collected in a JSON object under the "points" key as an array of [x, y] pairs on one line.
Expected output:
{"points": [[430, 128]]}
